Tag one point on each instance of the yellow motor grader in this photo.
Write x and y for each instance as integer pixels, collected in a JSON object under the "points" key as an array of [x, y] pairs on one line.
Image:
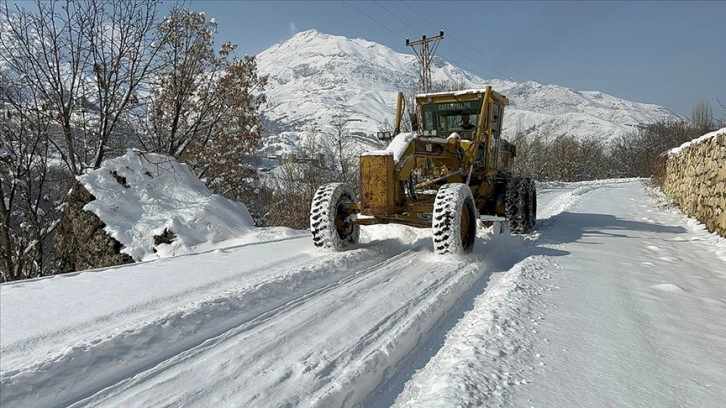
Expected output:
{"points": [[451, 171]]}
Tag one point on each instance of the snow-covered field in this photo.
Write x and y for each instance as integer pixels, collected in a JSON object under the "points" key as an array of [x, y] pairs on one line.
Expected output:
{"points": [[615, 300]]}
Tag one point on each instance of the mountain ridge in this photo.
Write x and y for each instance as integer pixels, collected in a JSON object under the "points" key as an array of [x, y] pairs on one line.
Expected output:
{"points": [[314, 77]]}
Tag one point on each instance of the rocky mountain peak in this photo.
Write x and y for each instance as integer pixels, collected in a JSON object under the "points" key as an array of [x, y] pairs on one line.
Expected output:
{"points": [[315, 77]]}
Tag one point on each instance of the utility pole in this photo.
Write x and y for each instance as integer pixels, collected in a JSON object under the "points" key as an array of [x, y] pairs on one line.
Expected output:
{"points": [[425, 55]]}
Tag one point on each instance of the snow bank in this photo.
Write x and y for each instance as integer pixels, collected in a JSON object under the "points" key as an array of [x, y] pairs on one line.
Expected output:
{"points": [[140, 196]]}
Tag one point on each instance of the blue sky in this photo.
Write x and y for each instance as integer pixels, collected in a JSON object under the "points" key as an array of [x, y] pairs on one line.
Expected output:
{"points": [[670, 53]]}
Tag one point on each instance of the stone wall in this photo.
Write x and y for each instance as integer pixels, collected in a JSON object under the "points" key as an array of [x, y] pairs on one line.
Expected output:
{"points": [[695, 177]]}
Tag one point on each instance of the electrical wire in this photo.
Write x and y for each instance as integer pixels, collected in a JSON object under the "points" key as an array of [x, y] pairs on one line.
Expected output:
{"points": [[449, 50], [373, 19], [444, 47], [395, 16], [525, 76]]}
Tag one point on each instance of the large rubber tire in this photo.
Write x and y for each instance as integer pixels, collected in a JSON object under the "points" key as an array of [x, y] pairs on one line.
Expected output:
{"points": [[454, 219], [517, 206], [328, 217]]}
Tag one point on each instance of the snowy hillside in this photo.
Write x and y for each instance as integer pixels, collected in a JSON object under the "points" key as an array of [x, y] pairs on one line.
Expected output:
{"points": [[315, 76], [613, 301]]}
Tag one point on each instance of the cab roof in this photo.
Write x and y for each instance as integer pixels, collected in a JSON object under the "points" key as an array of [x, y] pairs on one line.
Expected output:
{"points": [[463, 93]]}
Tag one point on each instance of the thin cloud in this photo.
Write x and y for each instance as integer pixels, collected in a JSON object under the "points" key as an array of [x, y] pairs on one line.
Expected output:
{"points": [[293, 28]]}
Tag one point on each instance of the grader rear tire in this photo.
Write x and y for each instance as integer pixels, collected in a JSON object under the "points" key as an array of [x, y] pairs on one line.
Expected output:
{"points": [[521, 205]]}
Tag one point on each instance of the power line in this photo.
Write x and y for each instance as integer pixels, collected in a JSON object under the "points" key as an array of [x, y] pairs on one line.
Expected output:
{"points": [[373, 19], [395, 16], [444, 47], [416, 12], [525, 76]]}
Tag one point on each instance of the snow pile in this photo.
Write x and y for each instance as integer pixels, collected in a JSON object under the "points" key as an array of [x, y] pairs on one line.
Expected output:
{"points": [[697, 140], [399, 144], [396, 148], [147, 200]]}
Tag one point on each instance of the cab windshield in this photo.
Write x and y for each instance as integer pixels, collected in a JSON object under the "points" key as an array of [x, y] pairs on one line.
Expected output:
{"points": [[445, 118]]}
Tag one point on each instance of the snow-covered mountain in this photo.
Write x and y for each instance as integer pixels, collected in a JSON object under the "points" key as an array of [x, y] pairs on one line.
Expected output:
{"points": [[315, 77]]}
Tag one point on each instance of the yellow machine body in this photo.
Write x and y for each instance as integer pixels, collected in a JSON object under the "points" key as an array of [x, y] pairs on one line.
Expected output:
{"points": [[400, 186]]}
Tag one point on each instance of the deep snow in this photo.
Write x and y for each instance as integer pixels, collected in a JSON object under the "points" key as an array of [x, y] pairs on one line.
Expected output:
{"points": [[614, 300]]}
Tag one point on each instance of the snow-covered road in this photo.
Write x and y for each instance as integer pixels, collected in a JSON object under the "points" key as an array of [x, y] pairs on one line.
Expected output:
{"points": [[612, 301]]}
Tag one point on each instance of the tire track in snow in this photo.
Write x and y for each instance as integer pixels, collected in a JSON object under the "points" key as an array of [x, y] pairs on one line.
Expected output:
{"points": [[304, 345], [147, 305], [259, 327], [389, 314], [119, 356], [481, 358], [351, 373], [124, 353]]}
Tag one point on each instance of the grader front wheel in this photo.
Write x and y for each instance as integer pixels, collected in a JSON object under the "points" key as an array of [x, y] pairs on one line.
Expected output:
{"points": [[454, 219], [329, 222]]}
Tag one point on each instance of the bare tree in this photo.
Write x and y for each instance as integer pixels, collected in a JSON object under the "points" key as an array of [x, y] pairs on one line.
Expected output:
{"points": [[296, 180], [593, 156], [70, 71], [702, 117], [43, 54], [123, 44], [295, 183], [309, 146], [86, 61], [563, 159], [446, 86], [31, 191], [637, 154], [531, 151], [344, 160]]}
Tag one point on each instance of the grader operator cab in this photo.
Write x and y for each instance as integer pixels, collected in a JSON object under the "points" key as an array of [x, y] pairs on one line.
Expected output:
{"points": [[453, 170]]}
